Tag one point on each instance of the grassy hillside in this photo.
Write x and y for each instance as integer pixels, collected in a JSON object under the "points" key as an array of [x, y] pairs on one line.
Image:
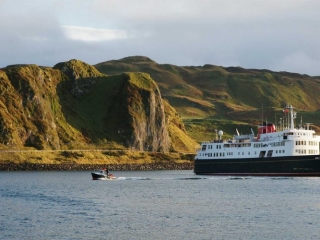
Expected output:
{"points": [[108, 112], [228, 88], [137, 104], [226, 96], [74, 106]]}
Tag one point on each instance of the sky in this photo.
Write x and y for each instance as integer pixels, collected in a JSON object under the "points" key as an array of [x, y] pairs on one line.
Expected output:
{"points": [[279, 35]]}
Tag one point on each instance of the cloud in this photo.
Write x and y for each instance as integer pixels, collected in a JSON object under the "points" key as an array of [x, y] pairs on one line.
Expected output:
{"points": [[93, 34], [281, 35]]}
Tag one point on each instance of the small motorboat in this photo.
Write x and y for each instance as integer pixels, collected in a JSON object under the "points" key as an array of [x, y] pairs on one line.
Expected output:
{"points": [[102, 174]]}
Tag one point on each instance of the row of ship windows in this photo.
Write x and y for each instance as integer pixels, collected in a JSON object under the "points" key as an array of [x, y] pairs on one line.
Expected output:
{"points": [[273, 144], [302, 134], [256, 145], [311, 143], [222, 154], [260, 145], [304, 151], [211, 147]]}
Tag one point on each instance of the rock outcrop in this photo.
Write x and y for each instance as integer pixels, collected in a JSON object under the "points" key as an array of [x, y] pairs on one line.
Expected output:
{"points": [[74, 106], [29, 107], [138, 100]]}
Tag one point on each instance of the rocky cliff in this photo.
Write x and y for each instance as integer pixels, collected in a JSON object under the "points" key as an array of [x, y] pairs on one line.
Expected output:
{"points": [[30, 112], [73, 105], [138, 108]]}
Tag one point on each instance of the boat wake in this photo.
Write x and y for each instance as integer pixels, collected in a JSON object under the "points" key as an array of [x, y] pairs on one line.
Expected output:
{"points": [[238, 178], [178, 178], [281, 178], [155, 178], [216, 178]]}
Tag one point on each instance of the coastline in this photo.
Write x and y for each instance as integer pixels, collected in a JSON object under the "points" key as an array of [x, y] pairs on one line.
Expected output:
{"points": [[88, 160], [90, 167]]}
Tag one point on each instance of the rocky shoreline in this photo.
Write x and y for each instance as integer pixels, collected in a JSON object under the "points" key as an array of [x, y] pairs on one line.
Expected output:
{"points": [[89, 167]]}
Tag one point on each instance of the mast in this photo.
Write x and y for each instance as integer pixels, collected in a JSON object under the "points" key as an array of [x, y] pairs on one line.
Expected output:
{"points": [[291, 116]]}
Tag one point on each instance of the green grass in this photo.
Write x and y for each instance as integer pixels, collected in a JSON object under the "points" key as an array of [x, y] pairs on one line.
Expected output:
{"points": [[48, 103], [141, 80], [248, 88]]}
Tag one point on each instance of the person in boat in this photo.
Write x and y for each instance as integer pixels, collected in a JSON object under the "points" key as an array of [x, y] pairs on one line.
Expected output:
{"points": [[107, 171]]}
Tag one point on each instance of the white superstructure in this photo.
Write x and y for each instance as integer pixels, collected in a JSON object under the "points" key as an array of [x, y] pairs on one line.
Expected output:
{"points": [[269, 142]]}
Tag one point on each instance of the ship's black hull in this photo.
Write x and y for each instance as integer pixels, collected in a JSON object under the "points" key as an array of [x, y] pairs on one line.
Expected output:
{"points": [[274, 166]]}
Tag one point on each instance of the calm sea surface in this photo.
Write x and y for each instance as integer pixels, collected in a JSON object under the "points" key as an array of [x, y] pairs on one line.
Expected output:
{"points": [[157, 205]]}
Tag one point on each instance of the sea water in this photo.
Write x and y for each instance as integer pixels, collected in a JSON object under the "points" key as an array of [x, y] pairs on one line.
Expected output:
{"points": [[157, 205]]}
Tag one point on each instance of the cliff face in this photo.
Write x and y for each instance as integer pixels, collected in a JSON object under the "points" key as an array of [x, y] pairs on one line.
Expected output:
{"points": [[31, 113], [72, 105], [146, 128], [152, 125], [29, 107]]}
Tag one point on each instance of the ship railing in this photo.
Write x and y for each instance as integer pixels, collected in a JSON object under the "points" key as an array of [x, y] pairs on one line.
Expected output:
{"points": [[217, 141], [213, 141]]}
